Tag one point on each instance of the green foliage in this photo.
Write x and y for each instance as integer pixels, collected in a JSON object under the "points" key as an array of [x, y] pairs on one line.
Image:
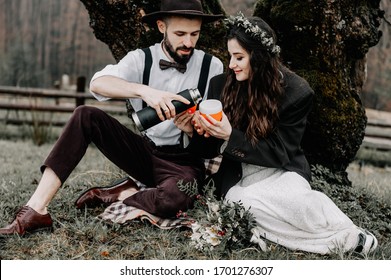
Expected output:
{"points": [[190, 188]]}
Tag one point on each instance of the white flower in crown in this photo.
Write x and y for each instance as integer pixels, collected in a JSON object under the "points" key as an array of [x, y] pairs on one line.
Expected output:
{"points": [[254, 31]]}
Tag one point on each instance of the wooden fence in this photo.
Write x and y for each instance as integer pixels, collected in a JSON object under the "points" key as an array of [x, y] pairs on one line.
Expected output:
{"points": [[376, 146], [378, 130], [377, 133], [33, 100]]}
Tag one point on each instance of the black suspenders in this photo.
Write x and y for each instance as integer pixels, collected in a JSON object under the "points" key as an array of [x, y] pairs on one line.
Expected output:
{"points": [[202, 81], [148, 65], [147, 68], [146, 74]]}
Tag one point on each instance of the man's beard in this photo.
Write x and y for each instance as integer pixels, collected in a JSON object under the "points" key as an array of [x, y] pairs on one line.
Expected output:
{"points": [[173, 53]]}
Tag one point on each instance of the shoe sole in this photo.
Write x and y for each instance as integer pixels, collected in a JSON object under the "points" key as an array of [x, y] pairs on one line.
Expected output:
{"points": [[28, 233]]}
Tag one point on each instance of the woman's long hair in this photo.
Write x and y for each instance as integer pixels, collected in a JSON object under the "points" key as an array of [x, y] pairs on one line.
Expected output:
{"points": [[252, 105]]}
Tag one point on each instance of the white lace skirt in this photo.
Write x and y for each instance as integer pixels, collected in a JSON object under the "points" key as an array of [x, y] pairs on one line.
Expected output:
{"points": [[290, 213]]}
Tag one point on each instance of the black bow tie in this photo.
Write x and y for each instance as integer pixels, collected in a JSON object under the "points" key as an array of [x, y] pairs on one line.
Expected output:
{"points": [[164, 64]]}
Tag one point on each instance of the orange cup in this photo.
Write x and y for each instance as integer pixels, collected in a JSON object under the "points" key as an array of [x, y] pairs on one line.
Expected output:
{"points": [[212, 107]]}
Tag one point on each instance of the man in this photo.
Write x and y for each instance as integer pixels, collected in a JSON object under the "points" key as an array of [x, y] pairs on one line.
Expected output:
{"points": [[155, 160]]}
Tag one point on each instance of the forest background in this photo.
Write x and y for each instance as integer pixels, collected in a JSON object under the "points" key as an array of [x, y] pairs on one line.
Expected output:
{"points": [[41, 40]]}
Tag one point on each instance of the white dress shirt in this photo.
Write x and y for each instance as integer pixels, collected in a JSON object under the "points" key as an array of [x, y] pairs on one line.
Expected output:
{"points": [[131, 68]]}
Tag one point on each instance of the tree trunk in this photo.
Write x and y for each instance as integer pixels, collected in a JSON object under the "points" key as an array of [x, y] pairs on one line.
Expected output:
{"points": [[326, 42], [118, 24]]}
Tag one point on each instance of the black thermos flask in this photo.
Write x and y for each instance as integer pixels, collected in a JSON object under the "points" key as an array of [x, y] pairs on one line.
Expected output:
{"points": [[147, 117]]}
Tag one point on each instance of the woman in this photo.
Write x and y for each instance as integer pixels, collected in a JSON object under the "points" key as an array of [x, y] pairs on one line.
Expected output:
{"points": [[265, 108]]}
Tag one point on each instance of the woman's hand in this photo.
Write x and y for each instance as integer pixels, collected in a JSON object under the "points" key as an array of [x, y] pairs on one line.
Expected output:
{"points": [[210, 127]]}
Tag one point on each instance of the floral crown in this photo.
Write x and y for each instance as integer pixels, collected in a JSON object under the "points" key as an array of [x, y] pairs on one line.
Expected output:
{"points": [[254, 31]]}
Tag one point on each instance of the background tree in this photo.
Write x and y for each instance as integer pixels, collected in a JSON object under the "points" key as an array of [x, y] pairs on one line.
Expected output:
{"points": [[40, 40], [325, 41], [377, 87], [118, 24]]}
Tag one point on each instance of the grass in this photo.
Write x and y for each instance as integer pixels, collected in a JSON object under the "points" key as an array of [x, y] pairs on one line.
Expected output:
{"points": [[78, 235], [372, 179]]}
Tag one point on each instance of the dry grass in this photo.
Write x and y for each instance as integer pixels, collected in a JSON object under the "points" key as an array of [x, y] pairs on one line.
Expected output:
{"points": [[375, 180], [79, 235]]}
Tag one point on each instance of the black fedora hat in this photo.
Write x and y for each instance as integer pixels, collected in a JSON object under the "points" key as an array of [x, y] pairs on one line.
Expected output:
{"points": [[180, 8]]}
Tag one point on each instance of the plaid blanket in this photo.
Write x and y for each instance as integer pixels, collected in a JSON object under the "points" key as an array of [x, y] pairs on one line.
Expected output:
{"points": [[212, 165], [120, 213]]}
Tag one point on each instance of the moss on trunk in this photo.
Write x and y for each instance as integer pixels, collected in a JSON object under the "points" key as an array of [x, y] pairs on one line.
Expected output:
{"points": [[326, 41]]}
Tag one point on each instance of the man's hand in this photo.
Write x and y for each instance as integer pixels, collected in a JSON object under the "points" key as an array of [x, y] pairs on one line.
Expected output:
{"points": [[184, 122], [161, 101], [196, 123]]}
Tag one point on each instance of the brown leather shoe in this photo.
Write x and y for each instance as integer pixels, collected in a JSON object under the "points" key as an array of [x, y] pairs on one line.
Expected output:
{"points": [[104, 195], [27, 220]]}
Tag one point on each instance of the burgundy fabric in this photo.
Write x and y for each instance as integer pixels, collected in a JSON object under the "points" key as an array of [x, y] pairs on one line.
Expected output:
{"points": [[159, 168]]}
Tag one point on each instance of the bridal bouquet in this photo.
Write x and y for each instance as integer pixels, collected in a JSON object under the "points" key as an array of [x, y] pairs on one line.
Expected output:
{"points": [[221, 224]]}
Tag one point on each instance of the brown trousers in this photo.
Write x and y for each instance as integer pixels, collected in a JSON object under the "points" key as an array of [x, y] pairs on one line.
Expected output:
{"points": [[159, 168]]}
